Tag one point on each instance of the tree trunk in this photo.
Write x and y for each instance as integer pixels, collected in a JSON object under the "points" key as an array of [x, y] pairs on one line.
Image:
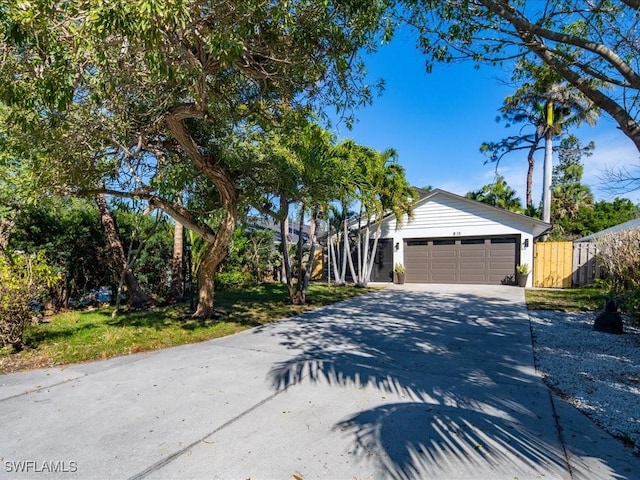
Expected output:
{"points": [[284, 245], [136, 297], [531, 162], [176, 290], [313, 238], [5, 232], [347, 253], [358, 275], [214, 254], [206, 282], [338, 275], [228, 195], [299, 295], [374, 250], [363, 275], [548, 169]]}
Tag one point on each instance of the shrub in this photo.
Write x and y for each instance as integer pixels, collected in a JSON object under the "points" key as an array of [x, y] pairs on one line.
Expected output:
{"points": [[618, 255], [630, 301], [230, 280], [24, 279]]}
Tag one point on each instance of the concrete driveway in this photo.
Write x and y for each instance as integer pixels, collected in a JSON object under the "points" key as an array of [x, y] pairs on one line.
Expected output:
{"points": [[422, 382]]}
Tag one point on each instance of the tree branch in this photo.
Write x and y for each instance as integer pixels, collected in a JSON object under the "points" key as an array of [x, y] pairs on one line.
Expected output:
{"points": [[174, 210], [506, 11]]}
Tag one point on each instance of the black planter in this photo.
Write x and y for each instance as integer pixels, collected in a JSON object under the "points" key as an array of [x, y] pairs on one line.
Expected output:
{"points": [[521, 278]]}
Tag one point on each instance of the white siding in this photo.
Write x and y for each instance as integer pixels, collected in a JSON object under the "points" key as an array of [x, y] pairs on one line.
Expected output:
{"points": [[447, 217]]}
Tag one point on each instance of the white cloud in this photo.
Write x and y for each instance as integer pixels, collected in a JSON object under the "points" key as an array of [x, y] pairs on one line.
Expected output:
{"points": [[614, 151]]}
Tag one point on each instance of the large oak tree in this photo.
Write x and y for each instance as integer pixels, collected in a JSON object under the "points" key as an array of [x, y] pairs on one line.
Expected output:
{"points": [[146, 97]]}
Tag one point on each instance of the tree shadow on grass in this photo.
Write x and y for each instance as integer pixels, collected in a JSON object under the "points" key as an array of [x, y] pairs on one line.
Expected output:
{"points": [[458, 371], [176, 315], [34, 337]]}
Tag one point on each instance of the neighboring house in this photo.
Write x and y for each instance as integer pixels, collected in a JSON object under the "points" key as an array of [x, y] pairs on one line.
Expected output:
{"points": [[453, 239], [635, 223], [262, 223]]}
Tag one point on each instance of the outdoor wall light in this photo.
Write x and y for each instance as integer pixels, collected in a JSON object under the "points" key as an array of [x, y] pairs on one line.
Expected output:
{"points": [[525, 244], [397, 246]]}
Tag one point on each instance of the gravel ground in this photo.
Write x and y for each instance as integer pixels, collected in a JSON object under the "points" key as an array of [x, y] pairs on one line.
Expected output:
{"points": [[599, 373]]}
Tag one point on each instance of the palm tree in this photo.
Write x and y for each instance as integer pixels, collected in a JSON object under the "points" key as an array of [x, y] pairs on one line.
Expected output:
{"points": [[498, 194], [548, 104], [565, 106], [304, 169], [381, 187]]}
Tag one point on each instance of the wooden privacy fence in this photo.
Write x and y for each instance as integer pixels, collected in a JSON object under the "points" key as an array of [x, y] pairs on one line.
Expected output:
{"points": [[564, 264], [585, 266], [553, 264]]}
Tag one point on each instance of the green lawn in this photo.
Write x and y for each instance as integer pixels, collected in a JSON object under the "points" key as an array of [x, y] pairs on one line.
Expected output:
{"points": [[567, 300], [78, 336]]}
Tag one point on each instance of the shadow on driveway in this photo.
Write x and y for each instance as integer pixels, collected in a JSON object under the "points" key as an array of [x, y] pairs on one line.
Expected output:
{"points": [[463, 398]]}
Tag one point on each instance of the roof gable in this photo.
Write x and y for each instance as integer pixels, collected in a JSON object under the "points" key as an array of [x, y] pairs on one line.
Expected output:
{"points": [[478, 209]]}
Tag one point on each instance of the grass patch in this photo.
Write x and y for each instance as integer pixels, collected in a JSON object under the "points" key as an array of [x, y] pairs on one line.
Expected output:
{"points": [[79, 336], [579, 299]]}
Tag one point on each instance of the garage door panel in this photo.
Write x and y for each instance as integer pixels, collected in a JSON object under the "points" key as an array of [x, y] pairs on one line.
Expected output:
{"points": [[504, 257], [472, 267], [472, 253], [442, 254], [417, 258], [443, 277], [473, 279], [501, 252], [441, 264], [501, 262]]}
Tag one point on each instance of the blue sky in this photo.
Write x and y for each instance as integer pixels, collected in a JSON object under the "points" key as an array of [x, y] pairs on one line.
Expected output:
{"points": [[438, 121]]}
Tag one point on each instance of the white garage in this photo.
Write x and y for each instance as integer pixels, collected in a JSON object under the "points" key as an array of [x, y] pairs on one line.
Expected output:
{"points": [[452, 239]]}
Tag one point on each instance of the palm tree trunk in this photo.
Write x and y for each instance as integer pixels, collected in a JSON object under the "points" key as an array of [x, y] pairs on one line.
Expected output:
{"points": [[347, 253], [313, 238], [284, 245], [374, 250], [299, 300], [358, 276], [364, 267], [176, 292], [548, 168], [337, 274], [531, 163]]}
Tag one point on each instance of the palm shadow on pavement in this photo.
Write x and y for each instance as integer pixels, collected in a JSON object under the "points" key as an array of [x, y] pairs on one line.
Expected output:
{"points": [[462, 395]]}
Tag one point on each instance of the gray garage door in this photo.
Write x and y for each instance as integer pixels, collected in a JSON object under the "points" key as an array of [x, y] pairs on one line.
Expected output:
{"points": [[490, 260]]}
